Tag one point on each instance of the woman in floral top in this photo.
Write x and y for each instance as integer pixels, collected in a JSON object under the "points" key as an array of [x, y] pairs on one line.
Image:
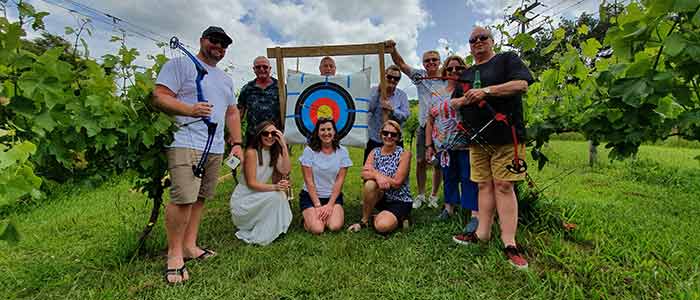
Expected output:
{"points": [[386, 185]]}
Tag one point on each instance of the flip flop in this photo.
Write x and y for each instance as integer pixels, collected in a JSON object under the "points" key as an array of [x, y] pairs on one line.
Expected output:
{"points": [[175, 272], [206, 254]]}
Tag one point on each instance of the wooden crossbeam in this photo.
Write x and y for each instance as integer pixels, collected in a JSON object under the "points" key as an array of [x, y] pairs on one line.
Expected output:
{"points": [[330, 50], [280, 53]]}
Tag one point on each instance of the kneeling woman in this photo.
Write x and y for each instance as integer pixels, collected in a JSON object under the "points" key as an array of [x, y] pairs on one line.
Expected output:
{"points": [[386, 183], [324, 165], [260, 209]]}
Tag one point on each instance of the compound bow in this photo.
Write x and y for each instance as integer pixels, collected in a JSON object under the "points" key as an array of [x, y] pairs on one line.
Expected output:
{"points": [[198, 169]]}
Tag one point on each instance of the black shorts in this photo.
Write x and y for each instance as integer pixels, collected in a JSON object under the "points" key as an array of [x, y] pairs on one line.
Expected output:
{"points": [[305, 200], [401, 210]]}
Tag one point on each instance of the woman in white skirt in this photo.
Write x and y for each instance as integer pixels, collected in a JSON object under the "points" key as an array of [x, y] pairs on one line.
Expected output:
{"points": [[259, 206]]}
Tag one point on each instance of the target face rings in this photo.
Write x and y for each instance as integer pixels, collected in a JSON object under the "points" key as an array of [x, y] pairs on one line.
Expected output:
{"points": [[325, 100]]}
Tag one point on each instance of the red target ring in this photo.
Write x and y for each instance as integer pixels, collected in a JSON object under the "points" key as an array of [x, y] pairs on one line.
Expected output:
{"points": [[324, 107]]}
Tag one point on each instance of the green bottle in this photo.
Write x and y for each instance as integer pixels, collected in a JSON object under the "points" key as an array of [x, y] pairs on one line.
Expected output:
{"points": [[477, 80]]}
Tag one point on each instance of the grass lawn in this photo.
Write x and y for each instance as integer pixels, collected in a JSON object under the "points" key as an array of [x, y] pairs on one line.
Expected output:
{"points": [[636, 238]]}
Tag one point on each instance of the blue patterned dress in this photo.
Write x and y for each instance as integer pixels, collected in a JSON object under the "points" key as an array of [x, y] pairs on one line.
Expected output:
{"points": [[388, 165]]}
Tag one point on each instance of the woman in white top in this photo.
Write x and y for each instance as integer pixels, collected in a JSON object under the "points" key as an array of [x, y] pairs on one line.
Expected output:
{"points": [[260, 209], [324, 164]]}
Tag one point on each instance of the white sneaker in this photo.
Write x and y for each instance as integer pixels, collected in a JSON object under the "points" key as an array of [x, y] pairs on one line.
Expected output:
{"points": [[418, 201], [433, 201]]}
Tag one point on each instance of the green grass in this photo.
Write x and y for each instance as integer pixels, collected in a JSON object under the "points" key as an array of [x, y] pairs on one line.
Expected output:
{"points": [[636, 238], [674, 141]]}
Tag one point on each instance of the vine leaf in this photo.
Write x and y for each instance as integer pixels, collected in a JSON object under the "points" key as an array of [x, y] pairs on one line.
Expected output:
{"points": [[674, 44], [696, 18], [632, 91], [9, 233], [590, 47]]}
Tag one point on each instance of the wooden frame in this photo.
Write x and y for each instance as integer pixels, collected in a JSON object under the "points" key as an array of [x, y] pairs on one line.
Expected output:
{"points": [[280, 53]]}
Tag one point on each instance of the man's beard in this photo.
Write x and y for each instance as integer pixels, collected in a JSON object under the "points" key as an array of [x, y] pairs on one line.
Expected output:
{"points": [[210, 55]]}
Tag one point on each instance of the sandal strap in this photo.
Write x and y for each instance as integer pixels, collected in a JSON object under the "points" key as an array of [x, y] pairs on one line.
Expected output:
{"points": [[176, 272]]}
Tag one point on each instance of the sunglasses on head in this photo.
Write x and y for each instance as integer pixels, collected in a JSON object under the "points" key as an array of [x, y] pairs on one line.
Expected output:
{"points": [[223, 42], [387, 133], [268, 133], [454, 69], [263, 67], [394, 78], [427, 60], [481, 37]]}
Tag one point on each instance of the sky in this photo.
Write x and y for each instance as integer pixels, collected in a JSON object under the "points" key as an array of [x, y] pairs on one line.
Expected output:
{"points": [[416, 26]]}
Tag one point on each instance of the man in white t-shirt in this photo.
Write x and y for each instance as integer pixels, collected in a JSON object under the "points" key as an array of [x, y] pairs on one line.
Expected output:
{"points": [[425, 87], [176, 93]]}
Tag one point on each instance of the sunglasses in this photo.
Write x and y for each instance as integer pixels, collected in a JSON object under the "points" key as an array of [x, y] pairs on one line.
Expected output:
{"points": [[428, 60], [394, 78], [262, 67], [481, 37], [386, 133], [223, 42], [268, 133], [454, 69]]}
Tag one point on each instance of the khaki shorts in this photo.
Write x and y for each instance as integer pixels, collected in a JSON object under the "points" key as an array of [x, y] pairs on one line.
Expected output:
{"points": [[489, 165], [186, 188]]}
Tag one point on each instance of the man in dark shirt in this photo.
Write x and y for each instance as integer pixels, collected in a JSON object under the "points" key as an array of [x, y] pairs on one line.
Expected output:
{"points": [[504, 78], [259, 100]]}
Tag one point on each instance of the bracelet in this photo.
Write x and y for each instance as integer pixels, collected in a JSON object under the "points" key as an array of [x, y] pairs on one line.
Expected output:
{"points": [[237, 144], [429, 145]]}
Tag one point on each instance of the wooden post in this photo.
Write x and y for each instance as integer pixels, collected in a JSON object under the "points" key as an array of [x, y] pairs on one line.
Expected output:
{"points": [[382, 81], [281, 85]]}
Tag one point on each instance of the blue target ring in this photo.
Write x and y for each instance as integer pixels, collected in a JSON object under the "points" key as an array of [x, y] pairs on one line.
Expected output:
{"points": [[324, 99]]}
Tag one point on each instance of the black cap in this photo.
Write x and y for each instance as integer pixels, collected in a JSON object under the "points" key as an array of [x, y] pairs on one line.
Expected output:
{"points": [[213, 30]]}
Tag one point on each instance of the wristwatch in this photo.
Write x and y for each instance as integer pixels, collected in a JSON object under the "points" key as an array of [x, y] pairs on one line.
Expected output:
{"points": [[487, 91]]}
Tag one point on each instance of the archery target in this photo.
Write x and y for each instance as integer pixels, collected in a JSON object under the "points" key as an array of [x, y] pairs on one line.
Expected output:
{"points": [[344, 98]]}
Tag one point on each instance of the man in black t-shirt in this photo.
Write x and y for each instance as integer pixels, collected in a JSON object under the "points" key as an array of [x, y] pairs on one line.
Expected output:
{"points": [[504, 78]]}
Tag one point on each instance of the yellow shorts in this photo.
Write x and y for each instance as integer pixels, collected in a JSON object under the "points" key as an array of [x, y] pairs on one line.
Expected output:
{"points": [[186, 188], [487, 165]]}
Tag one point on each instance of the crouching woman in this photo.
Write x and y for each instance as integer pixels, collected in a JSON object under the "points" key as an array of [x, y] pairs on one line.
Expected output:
{"points": [[386, 185], [259, 207]]}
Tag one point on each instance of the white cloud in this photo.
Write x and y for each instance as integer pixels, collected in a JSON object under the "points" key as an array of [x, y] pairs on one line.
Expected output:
{"points": [[297, 23], [318, 22]]}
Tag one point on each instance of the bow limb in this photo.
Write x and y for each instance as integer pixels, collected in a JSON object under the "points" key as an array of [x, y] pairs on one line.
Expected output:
{"points": [[198, 169]]}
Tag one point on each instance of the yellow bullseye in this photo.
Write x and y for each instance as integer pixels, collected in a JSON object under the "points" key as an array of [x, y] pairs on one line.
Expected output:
{"points": [[324, 111]]}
